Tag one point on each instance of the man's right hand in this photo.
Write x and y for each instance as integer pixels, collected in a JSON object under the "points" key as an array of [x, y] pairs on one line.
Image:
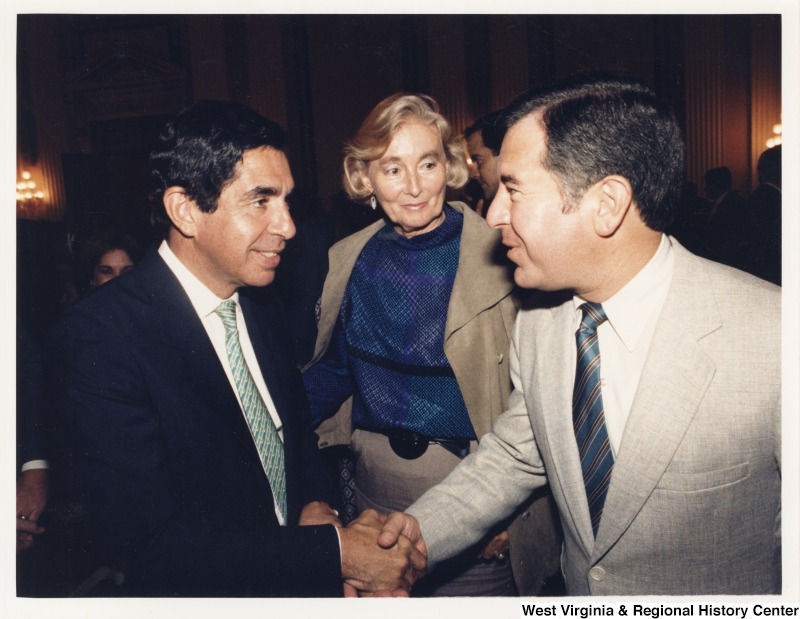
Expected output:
{"points": [[399, 524], [388, 567]]}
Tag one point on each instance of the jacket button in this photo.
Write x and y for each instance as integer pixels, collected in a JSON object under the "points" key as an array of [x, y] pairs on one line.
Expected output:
{"points": [[526, 515], [597, 573], [500, 358]]}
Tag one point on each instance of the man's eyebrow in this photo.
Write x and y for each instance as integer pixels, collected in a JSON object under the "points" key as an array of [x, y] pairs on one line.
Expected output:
{"points": [[261, 192], [509, 179]]}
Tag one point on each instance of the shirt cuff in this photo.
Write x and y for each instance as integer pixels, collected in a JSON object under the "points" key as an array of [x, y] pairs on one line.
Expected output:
{"points": [[339, 537], [35, 464]]}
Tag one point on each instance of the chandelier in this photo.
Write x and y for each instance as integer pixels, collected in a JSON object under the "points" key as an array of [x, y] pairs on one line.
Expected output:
{"points": [[27, 194], [776, 138]]}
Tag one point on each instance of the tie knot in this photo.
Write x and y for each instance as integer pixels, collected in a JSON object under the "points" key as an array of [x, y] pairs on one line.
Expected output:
{"points": [[593, 316], [227, 311]]}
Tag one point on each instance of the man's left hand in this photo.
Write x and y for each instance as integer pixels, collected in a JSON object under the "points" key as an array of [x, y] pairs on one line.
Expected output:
{"points": [[32, 491], [318, 513], [497, 548]]}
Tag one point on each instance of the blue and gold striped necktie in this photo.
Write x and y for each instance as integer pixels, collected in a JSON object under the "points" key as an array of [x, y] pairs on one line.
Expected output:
{"points": [[587, 413]]}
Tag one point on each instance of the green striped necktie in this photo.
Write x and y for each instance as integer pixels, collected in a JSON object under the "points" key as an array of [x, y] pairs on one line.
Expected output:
{"points": [[265, 434]]}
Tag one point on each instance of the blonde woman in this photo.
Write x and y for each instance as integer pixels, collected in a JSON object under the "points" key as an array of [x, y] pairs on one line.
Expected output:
{"points": [[410, 367]]}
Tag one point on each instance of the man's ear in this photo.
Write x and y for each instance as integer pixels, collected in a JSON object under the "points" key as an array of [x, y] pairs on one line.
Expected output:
{"points": [[181, 210], [614, 197]]}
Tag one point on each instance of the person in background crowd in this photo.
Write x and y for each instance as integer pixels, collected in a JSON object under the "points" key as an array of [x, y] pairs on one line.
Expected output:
{"points": [[471, 194], [484, 138], [413, 342], [763, 246], [727, 220], [105, 254], [32, 450]]}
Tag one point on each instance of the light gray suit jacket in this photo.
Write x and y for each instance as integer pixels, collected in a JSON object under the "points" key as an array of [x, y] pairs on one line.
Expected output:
{"points": [[694, 501]]}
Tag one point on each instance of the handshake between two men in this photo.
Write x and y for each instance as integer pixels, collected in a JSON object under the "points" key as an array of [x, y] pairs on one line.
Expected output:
{"points": [[382, 556]]}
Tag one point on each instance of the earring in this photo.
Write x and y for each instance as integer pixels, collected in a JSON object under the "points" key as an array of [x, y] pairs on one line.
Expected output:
{"points": [[373, 202]]}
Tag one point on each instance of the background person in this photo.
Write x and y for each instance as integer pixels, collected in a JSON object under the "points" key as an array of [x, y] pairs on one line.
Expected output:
{"points": [[763, 245], [484, 138], [727, 226], [105, 254], [32, 440]]}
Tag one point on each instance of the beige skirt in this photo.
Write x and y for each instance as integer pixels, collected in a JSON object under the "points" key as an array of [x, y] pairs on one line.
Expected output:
{"points": [[386, 482]]}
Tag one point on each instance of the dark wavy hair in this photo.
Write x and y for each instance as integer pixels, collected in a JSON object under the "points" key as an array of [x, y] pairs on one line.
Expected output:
{"points": [[96, 245], [198, 149], [493, 129], [599, 124]]}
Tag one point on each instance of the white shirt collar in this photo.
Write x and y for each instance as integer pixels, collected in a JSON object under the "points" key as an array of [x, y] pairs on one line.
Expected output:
{"points": [[630, 309], [203, 300]]}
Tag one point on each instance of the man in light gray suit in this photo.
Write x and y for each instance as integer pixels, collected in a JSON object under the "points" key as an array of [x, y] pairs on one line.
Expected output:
{"points": [[645, 378]]}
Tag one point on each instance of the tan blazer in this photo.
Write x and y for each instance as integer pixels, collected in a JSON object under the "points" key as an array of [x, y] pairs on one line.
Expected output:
{"points": [[694, 501], [480, 321]]}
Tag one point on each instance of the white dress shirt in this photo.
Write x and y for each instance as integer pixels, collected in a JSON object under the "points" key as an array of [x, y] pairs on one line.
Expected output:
{"points": [[205, 302], [624, 338]]}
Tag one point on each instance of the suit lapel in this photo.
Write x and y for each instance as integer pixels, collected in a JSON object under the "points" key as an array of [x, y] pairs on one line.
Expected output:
{"points": [[262, 319], [178, 328], [266, 350], [177, 325], [675, 378], [468, 299], [342, 258]]}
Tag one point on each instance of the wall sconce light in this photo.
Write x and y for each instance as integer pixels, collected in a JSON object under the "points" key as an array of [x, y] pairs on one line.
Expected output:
{"points": [[27, 194], [776, 138]]}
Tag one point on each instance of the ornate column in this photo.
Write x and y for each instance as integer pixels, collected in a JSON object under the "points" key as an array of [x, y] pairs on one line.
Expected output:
{"points": [[447, 72], [704, 146], [509, 59]]}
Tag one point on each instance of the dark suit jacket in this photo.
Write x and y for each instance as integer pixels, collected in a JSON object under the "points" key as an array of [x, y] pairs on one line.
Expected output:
{"points": [[31, 430], [727, 230], [159, 475], [764, 233]]}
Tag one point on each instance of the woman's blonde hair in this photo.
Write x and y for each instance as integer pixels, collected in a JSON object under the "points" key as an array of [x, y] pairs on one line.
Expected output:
{"points": [[380, 126]]}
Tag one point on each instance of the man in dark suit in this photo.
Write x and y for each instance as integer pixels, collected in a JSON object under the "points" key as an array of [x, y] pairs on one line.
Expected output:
{"points": [[763, 245], [727, 219], [185, 464], [32, 472]]}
